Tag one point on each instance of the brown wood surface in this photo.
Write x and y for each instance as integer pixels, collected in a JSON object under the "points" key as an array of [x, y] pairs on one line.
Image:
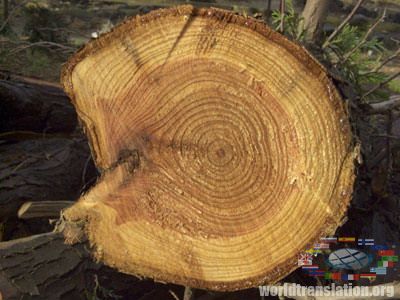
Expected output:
{"points": [[225, 149]]}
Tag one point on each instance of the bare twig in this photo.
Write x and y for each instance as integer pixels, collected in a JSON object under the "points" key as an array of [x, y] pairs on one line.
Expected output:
{"points": [[383, 83], [282, 10], [384, 62], [389, 143], [173, 294], [343, 24], [42, 209], [385, 136], [366, 36], [188, 294], [8, 17], [44, 44], [385, 106]]}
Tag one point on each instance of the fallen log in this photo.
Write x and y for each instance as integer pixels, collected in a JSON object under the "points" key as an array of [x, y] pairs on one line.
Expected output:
{"points": [[34, 105], [43, 267], [225, 149], [42, 169]]}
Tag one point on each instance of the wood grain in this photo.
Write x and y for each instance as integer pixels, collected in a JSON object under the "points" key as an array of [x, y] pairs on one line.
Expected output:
{"points": [[225, 148]]}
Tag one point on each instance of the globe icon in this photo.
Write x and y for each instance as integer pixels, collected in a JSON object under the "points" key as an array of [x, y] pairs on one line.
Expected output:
{"points": [[350, 259]]}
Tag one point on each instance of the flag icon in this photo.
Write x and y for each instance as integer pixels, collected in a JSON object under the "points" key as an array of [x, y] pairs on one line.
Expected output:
{"points": [[318, 273], [394, 258], [379, 247], [384, 264], [346, 239], [334, 276], [353, 277], [386, 252], [378, 271], [350, 276], [321, 246], [313, 251], [305, 259], [366, 242], [368, 275], [329, 240]]}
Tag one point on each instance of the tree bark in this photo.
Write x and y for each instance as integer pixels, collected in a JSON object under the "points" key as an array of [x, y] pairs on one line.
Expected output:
{"points": [[314, 15], [43, 267], [42, 169]]}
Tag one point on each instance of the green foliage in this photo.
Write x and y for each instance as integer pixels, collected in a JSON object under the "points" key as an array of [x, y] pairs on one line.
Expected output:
{"points": [[291, 21], [394, 86], [39, 60], [356, 59]]}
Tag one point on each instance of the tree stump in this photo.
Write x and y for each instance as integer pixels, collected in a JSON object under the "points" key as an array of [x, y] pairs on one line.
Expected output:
{"points": [[225, 149]]}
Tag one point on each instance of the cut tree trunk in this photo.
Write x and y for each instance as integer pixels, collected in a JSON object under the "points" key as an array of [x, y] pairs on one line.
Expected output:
{"points": [[225, 149], [34, 105]]}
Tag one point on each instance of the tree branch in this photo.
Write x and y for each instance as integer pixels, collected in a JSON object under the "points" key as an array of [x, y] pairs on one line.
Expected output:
{"points": [[365, 38], [41, 209], [282, 10], [343, 24], [8, 17], [385, 106], [387, 60], [378, 86], [188, 294]]}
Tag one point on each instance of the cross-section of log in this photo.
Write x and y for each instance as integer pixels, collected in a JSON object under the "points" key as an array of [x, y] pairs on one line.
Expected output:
{"points": [[225, 148]]}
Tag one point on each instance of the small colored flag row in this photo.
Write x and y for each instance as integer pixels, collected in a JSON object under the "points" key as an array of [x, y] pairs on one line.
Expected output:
{"points": [[349, 277], [346, 239], [360, 242]]}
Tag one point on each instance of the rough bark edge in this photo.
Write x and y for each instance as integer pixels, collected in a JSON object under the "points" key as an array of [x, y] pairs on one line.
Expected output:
{"points": [[347, 173]]}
